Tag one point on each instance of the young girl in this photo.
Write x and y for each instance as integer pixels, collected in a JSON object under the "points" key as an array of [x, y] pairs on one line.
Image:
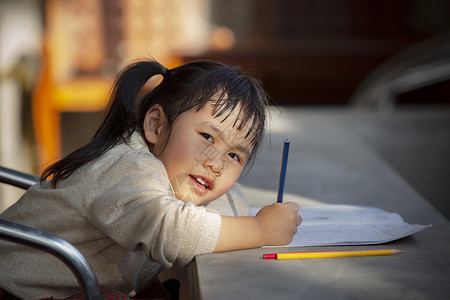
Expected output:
{"points": [[155, 186]]}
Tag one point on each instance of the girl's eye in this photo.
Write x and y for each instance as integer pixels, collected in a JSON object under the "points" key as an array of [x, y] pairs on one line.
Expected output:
{"points": [[207, 137], [234, 156]]}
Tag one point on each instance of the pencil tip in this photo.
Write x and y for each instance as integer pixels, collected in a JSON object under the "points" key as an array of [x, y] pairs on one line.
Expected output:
{"points": [[397, 251]]}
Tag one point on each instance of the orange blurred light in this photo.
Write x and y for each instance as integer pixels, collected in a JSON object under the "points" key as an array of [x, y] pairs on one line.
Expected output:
{"points": [[222, 38]]}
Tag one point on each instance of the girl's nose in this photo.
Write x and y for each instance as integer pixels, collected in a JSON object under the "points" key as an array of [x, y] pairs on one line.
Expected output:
{"points": [[216, 165]]}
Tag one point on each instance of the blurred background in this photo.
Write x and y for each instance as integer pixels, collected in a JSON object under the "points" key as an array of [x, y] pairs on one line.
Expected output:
{"points": [[58, 59]]}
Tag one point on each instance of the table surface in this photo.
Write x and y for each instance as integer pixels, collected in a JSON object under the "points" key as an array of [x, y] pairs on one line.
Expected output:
{"points": [[329, 165]]}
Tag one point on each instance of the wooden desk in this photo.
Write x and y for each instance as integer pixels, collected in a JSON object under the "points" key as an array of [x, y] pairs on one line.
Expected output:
{"points": [[327, 164]]}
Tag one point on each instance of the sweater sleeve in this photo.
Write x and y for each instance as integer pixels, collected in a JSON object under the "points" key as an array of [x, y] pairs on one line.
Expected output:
{"points": [[134, 207]]}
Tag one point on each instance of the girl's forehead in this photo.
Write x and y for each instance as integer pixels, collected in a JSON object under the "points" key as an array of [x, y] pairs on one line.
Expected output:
{"points": [[228, 120], [230, 117]]}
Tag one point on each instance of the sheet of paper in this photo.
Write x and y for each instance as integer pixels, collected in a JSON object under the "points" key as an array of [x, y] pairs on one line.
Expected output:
{"points": [[349, 225]]}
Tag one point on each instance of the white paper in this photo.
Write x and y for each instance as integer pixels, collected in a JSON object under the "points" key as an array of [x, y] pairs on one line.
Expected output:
{"points": [[349, 225]]}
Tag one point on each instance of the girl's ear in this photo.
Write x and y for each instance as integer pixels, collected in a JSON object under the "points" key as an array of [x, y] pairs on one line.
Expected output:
{"points": [[154, 124]]}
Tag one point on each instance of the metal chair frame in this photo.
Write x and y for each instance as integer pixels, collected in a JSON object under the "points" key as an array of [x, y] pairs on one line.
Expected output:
{"points": [[46, 241]]}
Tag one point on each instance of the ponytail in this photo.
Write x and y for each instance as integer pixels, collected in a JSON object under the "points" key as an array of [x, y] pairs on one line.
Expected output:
{"points": [[119, 123], [121, 116]]}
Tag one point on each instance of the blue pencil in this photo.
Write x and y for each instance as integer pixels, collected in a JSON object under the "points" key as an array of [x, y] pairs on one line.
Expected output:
{"points": [[283, 171]]}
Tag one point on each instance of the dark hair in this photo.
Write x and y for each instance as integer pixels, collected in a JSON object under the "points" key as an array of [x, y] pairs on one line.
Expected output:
{"points": [[189, 86]]}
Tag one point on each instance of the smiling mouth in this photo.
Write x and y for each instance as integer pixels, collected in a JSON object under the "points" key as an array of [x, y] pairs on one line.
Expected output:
{"points": [[201, 181]]}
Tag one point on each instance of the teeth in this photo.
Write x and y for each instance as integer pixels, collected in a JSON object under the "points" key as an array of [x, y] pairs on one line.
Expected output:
{"points": [[202, 181]]}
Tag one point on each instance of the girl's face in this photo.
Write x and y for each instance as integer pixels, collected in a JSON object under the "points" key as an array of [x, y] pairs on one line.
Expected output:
{"points": [[204, 156]]}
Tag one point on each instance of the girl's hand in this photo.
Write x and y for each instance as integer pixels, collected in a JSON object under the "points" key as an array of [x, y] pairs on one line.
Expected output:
{"points": [[279, 223], [273, 225]]}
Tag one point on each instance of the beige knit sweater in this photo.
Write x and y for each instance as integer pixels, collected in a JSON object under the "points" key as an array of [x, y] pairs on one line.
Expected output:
{"points": [[120, 212]]}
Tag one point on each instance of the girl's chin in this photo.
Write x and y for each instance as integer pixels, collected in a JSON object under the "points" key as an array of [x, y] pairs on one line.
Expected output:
{"points": [[192, 197]]}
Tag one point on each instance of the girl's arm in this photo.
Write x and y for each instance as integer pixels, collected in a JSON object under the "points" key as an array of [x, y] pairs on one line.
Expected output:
{"points": [[274, 225]]}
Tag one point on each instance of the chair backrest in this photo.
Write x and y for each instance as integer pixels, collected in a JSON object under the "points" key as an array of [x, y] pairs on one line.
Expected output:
{"points": [[46, 241], [417, 66], [17, 179]]}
